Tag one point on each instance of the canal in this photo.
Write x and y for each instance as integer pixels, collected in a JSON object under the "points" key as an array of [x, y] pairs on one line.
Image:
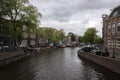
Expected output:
{"points": [[55, 64]]}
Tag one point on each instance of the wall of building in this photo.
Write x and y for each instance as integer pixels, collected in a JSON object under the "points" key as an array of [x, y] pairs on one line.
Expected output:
{"points": [[111, 35]]}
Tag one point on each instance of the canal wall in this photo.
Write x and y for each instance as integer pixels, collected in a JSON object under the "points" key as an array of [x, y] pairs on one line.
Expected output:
{"points": [[9, 57], [12, 56], [106, 62]]}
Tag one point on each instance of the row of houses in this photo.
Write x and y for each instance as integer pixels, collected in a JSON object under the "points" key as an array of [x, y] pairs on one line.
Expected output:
{"points": [[32, 39], [7, 39]]}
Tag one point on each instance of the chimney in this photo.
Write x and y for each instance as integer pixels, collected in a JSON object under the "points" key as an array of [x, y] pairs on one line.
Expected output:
{"points": [[104, 16]]}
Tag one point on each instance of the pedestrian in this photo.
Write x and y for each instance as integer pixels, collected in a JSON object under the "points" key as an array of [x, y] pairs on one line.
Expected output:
{"points": [[106, 52], [103, 52]]}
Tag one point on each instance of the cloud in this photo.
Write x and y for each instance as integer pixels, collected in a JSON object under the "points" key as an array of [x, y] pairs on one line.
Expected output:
{"points": [[74, 16]]}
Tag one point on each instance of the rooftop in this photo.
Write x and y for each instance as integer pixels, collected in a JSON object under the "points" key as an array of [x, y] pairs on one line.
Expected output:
{"points": [[115, 12]]}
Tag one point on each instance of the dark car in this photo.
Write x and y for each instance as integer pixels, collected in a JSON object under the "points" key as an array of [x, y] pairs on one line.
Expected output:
{"points": [[86, 49]]}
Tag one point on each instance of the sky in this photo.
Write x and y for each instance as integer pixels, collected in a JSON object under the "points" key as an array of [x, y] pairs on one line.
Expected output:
{"points": [[74, 15]]}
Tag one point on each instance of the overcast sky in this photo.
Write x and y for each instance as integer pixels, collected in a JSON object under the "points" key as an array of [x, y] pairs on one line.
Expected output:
{"points": [[74, 15]]}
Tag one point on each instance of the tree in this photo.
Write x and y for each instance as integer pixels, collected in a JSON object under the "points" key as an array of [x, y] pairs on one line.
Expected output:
{"points": [[19, 13], [4, 29], [51, 34], [12, 10], [30, 19], [46, 33], [89, 35], [40, 32], [59, 35], [98, 39], [62, 34]]}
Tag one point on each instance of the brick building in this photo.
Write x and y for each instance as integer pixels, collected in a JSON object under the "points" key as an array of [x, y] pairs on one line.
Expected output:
{"points": [[111, 32]]}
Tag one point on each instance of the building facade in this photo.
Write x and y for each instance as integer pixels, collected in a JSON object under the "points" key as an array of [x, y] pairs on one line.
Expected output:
{"points": [[29, 38], [111, 32], [68, 40]]}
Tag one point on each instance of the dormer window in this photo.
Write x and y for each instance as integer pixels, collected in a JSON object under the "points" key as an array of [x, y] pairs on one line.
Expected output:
{"points": [[115, 13]]}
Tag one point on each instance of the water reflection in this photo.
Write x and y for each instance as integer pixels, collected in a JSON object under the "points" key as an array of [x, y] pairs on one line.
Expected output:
{"points": [[55, 64], [98, 72]]}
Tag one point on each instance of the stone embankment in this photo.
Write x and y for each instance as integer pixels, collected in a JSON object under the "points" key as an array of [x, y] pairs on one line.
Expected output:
{"points": [[7, 57], [111, 64]]}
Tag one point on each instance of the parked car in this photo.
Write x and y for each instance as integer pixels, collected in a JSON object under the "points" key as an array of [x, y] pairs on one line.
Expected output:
{"points": [[86, 49]]}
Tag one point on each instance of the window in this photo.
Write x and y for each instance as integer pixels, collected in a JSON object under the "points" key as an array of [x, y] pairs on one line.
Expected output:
{"points": [[113, 28], [118, 26], [109, 30], [118, 43], [24, 28], [113, 43], [108, 43]]}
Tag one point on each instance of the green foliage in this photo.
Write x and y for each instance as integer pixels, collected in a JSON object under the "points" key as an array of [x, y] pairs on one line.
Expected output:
{"points": [[18, 13], [98, 39], [30, 19], [59, 35], [40, 32], [51, 34], [89, 36], [11, 10]]}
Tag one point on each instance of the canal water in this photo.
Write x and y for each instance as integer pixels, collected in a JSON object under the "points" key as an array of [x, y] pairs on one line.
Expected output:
{"points": [[55, 64]]}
